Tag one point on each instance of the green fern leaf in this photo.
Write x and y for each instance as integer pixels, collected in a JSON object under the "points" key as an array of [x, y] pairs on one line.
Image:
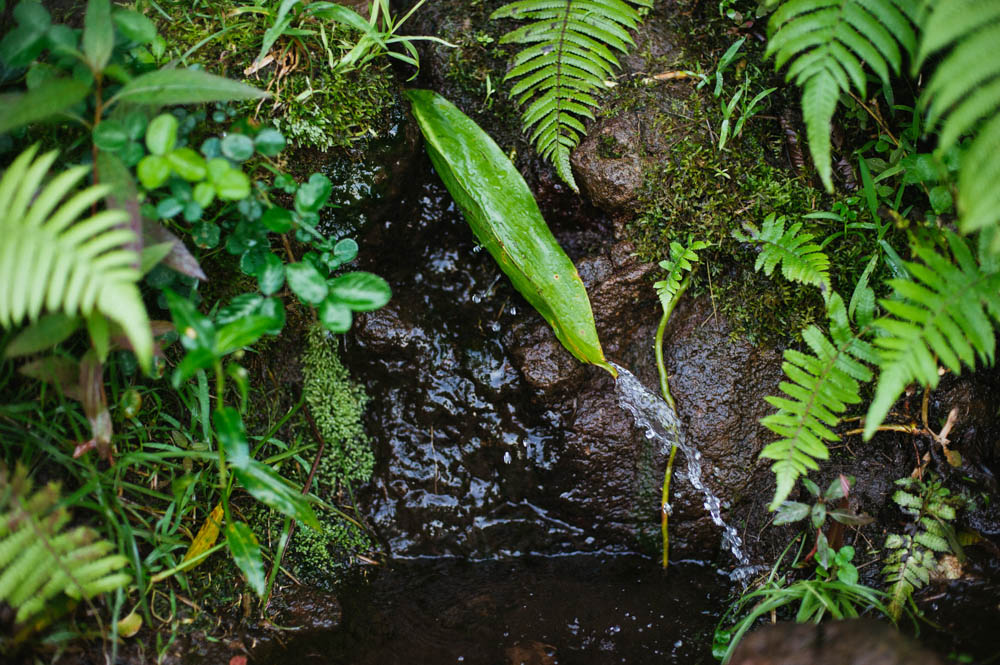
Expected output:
{"points": [[801, 259], [821, 386], [963, 94], [942, 315], [682, 259], [568, 57], [826, 42], [39, 560], [52, 260]]}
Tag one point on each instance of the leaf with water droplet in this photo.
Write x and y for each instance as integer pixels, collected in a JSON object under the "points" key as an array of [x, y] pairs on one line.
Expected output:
{"points": [[505, 218]]}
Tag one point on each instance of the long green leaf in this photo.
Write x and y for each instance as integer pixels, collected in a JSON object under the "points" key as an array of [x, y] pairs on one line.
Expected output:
{"points": [[48, 99], [184, 86], [504, 216], [98, 34], [246, 553]]}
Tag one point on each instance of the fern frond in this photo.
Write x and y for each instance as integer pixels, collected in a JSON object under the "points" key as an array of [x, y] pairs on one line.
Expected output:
{"points": [[944, 314], [51, 259], [569, 55], [827, 44], [820, 386], [963, 94], [682, 259], [801, 259], [40, 560]]}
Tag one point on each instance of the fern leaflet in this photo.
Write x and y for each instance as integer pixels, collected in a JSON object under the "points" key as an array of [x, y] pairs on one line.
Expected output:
{"points": [[912, 557], [50, 259], [828, 43], [800, 258], [820, 387], [568, 57], [682, 259], [964, 93], [40, 559], [945, 313]]}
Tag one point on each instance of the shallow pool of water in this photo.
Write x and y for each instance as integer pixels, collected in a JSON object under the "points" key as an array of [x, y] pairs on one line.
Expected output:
{"points": [[567, 610]]}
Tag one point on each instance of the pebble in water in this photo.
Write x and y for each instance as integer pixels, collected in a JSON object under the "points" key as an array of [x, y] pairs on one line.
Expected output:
{"points": [[660, 422]]}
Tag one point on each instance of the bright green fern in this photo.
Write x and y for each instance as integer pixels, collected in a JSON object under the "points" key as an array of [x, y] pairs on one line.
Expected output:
{"points": [[568, 58], [912, 557], [801, 259], [963, 94], [51, 259], [819, 388], [682, 260], [40, 558], [943, 315], [827, 44]]}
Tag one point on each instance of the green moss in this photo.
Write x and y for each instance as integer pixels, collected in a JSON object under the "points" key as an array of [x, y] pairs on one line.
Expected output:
{"points": [[312, 103], [337, 405]]}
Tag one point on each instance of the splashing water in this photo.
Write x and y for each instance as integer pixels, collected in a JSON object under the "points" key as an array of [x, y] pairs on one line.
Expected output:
{"points": [[661, 423]]}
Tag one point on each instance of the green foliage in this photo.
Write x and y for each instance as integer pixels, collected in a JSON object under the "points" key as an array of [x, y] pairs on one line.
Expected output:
{"points": [[801, 259], [963, 95], [41, 558], [912, 556], [682, 259], [337, 404], [566, 60], [821, 386], [53, 260], [944, 314], [834, 590], [504, 215], [826, 42]]}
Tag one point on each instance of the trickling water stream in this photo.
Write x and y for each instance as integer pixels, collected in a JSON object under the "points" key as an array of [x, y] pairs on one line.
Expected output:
{"points": [[662, 424]]}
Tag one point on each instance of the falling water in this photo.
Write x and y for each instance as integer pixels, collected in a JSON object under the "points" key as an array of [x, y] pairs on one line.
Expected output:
{"points": [[661, 423]]}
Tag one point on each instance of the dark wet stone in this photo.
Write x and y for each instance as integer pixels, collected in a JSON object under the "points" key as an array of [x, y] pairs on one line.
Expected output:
{"points": [[854, 642]]}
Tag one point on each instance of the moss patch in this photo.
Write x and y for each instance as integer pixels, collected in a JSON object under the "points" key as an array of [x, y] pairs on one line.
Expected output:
{"points": [[313, 104]]}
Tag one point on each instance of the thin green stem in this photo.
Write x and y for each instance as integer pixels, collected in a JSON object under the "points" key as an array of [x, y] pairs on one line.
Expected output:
{"points": [[665, 390]]}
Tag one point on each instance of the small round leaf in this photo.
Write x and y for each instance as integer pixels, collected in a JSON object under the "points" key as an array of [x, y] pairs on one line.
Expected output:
{"points": [[110, 135], [269, 142], [161, 135], [335, 316], [233, 186], [306, 282], [361, 291], [313, 194], [188, 164], [277, 219], [237, 147], [152, 171], [270, 274]]}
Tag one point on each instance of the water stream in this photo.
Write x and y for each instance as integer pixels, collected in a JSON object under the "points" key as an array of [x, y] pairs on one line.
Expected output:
{"points": [[661, 423]]}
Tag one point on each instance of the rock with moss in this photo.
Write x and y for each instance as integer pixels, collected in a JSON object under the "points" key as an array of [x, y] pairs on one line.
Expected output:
{"points": [[337, 405]]}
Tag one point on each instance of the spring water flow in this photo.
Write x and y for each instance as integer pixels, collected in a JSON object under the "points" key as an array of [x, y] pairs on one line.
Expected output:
{"points": [[661, 423]]}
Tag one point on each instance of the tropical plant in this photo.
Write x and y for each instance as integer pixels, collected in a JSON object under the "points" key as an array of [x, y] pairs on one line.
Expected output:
{"points": [[833, 590], [912, 556], [825, 42], [669, 290], [53, 260], [378, 32], [944, 314], [824, 382], [567, 58], [963, 96], [41, 558], [505, 217]]}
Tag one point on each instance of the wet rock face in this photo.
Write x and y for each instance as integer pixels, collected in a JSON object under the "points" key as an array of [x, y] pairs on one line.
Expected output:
{"points": [[493, 439], [855, 642]]}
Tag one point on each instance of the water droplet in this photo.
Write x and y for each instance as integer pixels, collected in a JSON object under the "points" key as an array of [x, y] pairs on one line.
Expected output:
{"points": [[476, 298], [513, 311], [506, 457]]}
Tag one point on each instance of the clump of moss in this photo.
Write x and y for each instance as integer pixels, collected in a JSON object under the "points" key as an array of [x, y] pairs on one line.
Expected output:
{"points": [[337, 405], [313, 104]]}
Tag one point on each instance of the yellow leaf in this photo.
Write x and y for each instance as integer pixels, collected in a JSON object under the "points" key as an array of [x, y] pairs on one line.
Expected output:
{"points": [[207, 535], [130, 625]]}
